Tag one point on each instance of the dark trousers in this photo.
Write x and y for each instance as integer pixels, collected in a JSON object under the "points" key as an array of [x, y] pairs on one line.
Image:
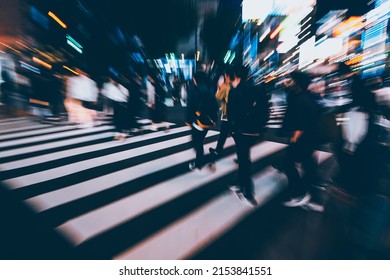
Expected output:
{"points": [[197, 142], [121, 121], [223, 134], [302, 151], [243, 145]]}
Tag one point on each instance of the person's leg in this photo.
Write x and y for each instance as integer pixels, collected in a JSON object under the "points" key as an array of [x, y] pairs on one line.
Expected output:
{"points": [[310, 166], [243, 144], [247, 183], [197, 141], [225, 129], [289, 167]]}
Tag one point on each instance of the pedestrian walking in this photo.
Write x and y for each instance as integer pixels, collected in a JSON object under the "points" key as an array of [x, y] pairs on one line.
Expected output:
{"points": [[201, 115], [301, 123], [222, 96], [247, 113]]}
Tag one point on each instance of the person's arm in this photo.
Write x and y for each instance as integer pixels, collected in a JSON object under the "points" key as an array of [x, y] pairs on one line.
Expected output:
{"points": [[222, 93]]}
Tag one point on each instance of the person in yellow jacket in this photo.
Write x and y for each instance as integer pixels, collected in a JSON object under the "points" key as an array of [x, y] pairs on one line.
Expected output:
{"points": [[222, 96]]}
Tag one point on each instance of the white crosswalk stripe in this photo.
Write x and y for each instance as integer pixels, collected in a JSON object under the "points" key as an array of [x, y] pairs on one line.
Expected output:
{"points": [[276, 117], [93, 190], [83, 150], [133, 206]]}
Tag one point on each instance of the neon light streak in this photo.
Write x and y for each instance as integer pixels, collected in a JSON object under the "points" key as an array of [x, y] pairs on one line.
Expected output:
{"points": [[276, 31], [60, 22]]}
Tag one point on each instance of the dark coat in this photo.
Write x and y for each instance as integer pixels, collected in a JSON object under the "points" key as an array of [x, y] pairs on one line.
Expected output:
{"points": [[201, 99], [248, 109], [303, 113]]}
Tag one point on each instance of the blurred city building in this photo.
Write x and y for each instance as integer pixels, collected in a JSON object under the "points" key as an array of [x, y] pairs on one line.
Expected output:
{"points": [[281, 36]]}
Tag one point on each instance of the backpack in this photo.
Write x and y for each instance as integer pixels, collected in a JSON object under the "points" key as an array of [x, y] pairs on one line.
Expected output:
{"points": [[203, 109]]}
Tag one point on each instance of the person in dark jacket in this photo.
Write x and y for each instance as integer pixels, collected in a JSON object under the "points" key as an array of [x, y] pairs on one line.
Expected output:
{"points": [[301, 123], [201, 115], [246, 112]]}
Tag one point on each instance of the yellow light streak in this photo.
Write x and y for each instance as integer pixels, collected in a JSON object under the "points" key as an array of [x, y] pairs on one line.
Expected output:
{"points": [[60, 22]]}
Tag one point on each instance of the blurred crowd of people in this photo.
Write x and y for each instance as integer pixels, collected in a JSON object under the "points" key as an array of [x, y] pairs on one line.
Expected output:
{"points": [[356, 131], [79, 98]]}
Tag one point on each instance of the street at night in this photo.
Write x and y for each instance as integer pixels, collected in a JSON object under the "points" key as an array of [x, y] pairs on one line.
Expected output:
{"points": [[194, 130]]}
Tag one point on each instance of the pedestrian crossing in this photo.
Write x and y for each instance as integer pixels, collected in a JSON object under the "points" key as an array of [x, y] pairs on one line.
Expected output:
{"points": [[134, 199], [276, 116]]}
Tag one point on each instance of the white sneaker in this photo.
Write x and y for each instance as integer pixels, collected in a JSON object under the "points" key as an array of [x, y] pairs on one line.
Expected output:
{"points": [[153, 127], [191, 166], [298, 201], [234, 188], [249, 201], [312, 206], [239, 195]]}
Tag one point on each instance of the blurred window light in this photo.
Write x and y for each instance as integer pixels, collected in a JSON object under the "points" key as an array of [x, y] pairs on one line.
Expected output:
{"points": [[173, 64], [307, 52], [120, 34], [8, 46], [159, 63], [381, 12], [150, 63], [29, 67], [138, 57], [247, 50], [39, 102], [167, 68], [255, 9], [74, 44], [182, 63], [262, 37], [268, 55], [308, 33], [39, 17], [287, 7], [349, 26], [70, 38], [306, 21], [232, 58], [113, 71], [329, 21], [321, 40], [60, 22], [276, 31], [225, 60], [375, 35], [374, 59], [41, 62], [27, 47], [70, 43], [328, 48], [304, 30], [70, 70], [288, 58], [374, 71]]}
